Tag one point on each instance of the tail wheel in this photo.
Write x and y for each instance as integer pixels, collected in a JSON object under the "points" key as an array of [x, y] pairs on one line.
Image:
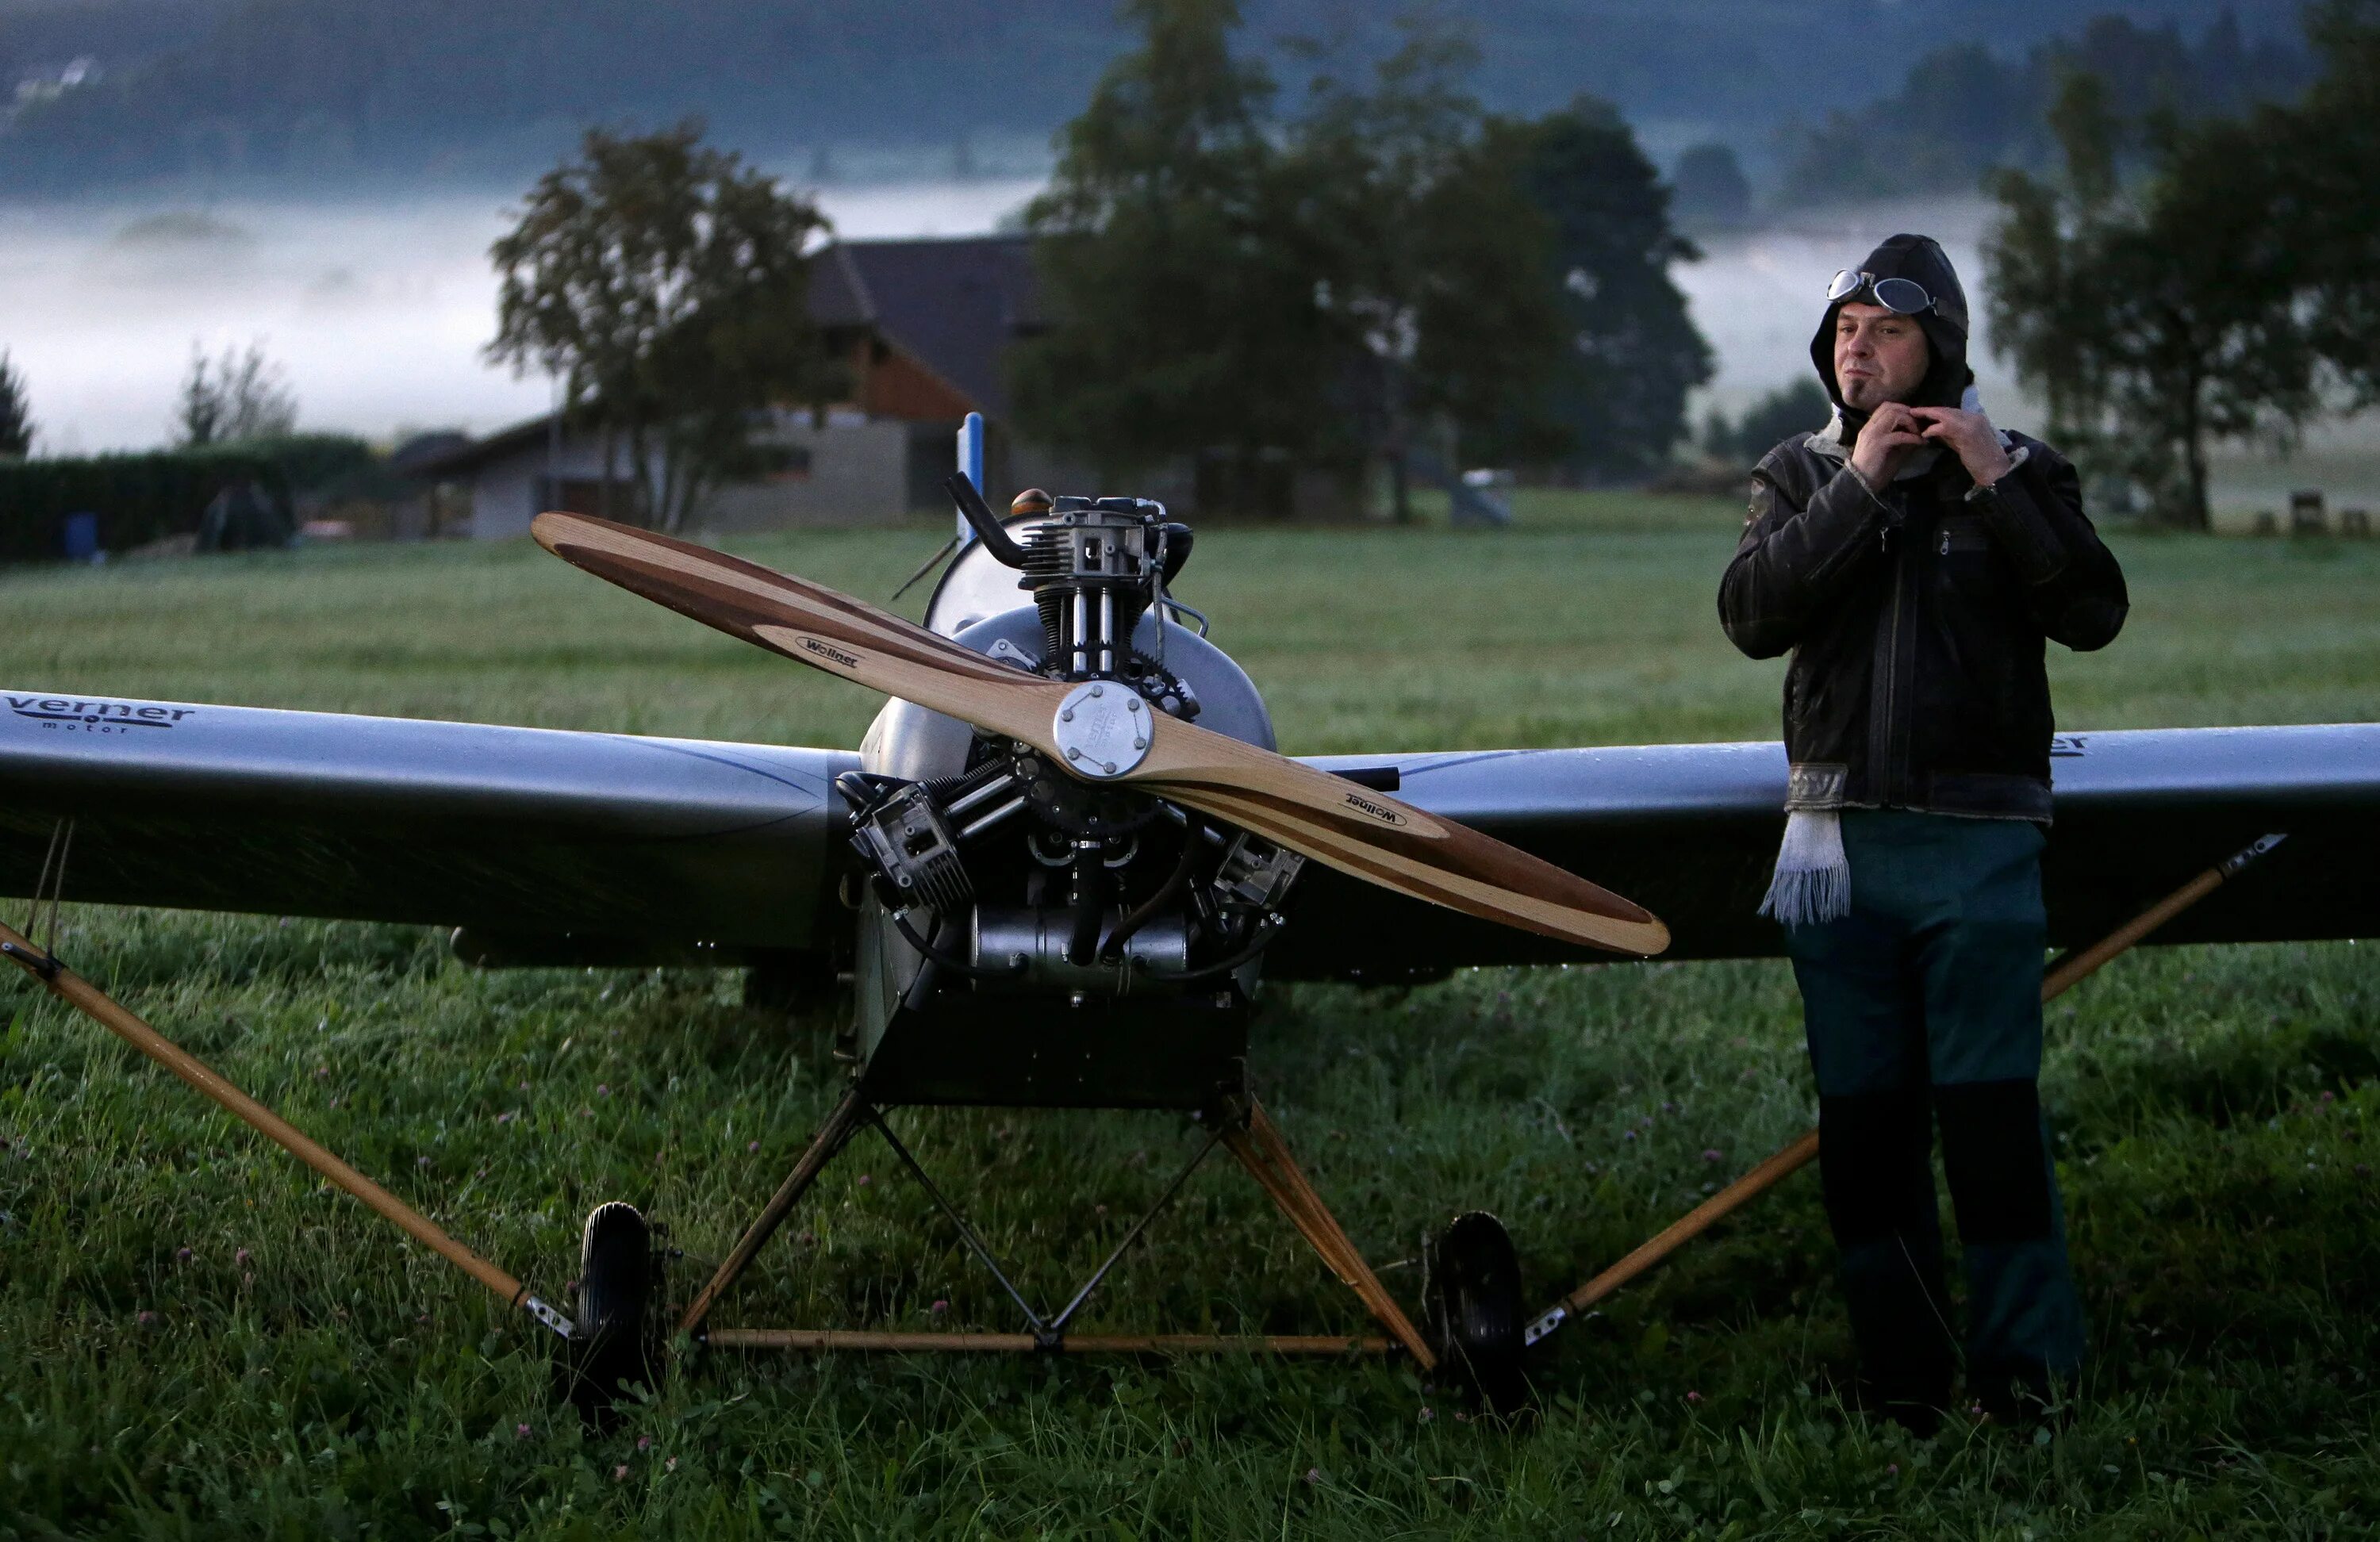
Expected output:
{"points": [[1474, 1303], [613, 1349]]}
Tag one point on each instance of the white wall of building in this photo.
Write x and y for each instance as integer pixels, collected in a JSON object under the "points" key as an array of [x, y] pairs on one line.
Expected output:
{"points": [[857, 475], [510, 492]]}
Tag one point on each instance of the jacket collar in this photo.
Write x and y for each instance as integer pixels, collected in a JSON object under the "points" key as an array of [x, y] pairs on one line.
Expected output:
{"points": [[1828, 444]]}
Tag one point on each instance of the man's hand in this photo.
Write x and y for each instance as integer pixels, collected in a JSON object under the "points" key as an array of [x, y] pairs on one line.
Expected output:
{"points": [[1970, 435], [1892, 432]]}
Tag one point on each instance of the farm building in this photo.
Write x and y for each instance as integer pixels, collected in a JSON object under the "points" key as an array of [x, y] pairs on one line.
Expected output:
{"points": [[923, 325]]}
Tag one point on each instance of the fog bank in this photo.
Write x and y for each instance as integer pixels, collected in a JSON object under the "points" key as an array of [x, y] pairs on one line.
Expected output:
{"points": [[378, 311]]}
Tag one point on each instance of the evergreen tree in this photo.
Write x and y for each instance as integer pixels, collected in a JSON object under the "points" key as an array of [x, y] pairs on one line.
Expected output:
{"points": [[1800, 408], [1617, 398], [1962, 109], [1386, 276], [16, 413], [1710, 189]]}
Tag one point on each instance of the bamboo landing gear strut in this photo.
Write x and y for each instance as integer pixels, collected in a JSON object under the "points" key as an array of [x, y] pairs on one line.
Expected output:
{"points": [[2069, 971], [94, 1003], [1244, 1128]]}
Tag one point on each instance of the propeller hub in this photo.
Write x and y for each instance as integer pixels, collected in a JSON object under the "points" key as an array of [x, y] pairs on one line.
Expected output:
{"points": [[1102, 729]]}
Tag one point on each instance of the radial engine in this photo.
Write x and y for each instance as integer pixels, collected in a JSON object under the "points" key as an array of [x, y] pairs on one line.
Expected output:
{"points": [[1028, 932]]}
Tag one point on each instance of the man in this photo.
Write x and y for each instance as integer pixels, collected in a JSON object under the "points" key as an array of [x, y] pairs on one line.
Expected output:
{"points": [[1914, 558]]}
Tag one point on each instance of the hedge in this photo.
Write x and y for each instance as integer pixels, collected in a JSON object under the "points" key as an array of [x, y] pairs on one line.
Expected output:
{"points": [[139, 498]]}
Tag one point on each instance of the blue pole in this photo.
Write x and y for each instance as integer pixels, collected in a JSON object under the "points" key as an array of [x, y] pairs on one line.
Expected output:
{"points": [[970, 462]]}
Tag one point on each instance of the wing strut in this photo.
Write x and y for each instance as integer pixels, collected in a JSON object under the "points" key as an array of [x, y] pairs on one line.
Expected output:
{"points": [[95, 1004], [2069, 971]]}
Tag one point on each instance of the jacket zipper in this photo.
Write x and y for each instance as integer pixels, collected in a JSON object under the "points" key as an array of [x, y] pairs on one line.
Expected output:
{"points": [[1885, 757]]}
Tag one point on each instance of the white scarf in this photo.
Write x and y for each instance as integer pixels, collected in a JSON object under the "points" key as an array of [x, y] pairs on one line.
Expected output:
{"points": [[1812, 881]]}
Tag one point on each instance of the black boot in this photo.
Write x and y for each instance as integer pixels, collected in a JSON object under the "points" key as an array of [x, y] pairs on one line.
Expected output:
{"points": [[2017, 1394]]}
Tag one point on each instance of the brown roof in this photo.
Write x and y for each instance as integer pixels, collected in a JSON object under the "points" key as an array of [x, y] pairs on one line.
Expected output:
{"points": [[953, 305]]}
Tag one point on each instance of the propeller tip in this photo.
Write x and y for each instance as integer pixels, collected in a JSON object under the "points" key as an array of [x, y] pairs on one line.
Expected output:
{"points": [[548, 527]]}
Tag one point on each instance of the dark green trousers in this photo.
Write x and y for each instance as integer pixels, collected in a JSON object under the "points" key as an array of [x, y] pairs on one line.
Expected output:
{"points": [[1923, 1005]]}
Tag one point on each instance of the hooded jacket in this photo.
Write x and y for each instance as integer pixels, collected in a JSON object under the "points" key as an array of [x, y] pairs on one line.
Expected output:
{"points": [[1917, 614]]}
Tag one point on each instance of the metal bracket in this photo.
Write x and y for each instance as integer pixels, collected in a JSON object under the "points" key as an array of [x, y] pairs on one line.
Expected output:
{"points": [[548, 1316], [2255, 849], [44, 965], [1555, 1317]]}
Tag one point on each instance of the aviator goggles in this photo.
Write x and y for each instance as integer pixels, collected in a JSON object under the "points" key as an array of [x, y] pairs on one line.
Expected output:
{"points": [[1902, 297]]}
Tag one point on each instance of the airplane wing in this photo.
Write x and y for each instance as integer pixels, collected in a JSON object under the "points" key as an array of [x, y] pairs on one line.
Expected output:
{"points": [[546, 846], [568, 847], [1690, 832]]}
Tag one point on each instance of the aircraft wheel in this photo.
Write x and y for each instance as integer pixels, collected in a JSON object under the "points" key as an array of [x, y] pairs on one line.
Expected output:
{"points": [[614, 1346], [1473, 1294]]}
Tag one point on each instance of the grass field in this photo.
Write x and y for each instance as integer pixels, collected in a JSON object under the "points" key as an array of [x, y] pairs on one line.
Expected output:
{"points": [[196, 1340]]}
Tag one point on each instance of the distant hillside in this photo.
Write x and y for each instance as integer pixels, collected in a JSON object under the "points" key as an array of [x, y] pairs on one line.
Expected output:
{"points": [[1963, 107], [289, 90]]}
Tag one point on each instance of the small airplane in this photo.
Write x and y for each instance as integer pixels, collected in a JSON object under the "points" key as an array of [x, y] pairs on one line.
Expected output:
{"points": [[1054, 872]]}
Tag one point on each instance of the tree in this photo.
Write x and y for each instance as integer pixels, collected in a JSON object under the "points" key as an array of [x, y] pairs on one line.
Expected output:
{"points": [[1386, 276], [1800, 408], [1436, 268], [1711, 191], [1958, 109], [1617, 398], [665, 283], [242, 395], [1177, 277], [2328, 158], [2157, 315], [16, 414], [1962, 110]]}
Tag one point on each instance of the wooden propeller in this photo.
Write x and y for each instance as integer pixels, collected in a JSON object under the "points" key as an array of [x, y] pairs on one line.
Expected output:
{"points": [[1366, 834]]}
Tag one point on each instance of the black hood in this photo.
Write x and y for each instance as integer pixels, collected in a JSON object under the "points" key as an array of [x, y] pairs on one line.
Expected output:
{"points": [[1920, 258]]}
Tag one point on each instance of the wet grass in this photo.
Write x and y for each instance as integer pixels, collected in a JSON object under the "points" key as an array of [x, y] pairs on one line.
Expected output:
{"points": [[196, 1340], [1591, 621]]}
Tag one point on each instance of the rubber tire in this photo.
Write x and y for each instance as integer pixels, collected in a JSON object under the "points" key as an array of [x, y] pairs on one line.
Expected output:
{"points": [[614, 1344], [1475, 1303]]}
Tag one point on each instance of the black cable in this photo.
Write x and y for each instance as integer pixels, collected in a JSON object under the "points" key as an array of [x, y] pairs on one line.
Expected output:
{"points": [[931, 563], [976, 512], [951, 962], [1194, 834]]}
